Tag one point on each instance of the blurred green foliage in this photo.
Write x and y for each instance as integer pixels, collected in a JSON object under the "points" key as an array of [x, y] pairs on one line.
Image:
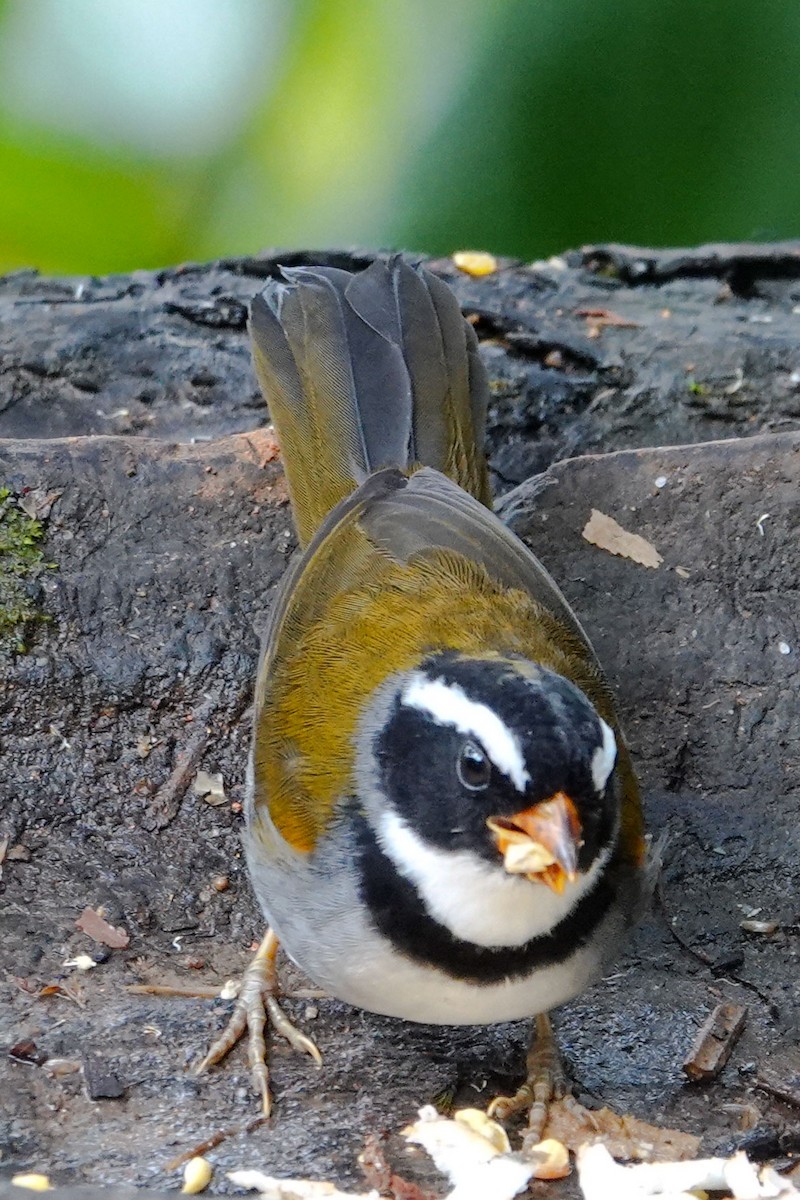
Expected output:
{"points": [[522, 126]]}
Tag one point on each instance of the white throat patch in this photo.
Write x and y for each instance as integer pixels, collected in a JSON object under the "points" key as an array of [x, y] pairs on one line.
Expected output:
{"points": [[449, 704], [476, 901]]}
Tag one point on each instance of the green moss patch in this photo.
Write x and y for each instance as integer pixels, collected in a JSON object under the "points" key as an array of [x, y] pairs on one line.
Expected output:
{"points": [[21, 563]]}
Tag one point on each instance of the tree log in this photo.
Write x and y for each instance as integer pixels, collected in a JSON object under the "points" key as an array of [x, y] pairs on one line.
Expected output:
{"points": [[661, 388]]}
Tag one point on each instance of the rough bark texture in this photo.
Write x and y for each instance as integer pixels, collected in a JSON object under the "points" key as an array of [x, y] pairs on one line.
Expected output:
{"points": [[134, 423]]}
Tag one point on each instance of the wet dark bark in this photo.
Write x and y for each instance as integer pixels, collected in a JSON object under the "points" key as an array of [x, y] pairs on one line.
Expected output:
{"points": [[129, 405]]}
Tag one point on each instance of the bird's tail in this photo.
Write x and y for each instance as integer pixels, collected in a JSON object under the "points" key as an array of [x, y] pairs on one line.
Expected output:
{"points": [[365, 371]]}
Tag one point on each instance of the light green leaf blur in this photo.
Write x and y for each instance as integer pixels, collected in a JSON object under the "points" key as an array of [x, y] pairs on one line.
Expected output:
{"points": [[138, 133]]}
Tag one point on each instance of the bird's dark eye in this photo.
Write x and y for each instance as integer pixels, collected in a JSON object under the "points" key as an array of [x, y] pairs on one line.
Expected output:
{"points": [[474, 768]]}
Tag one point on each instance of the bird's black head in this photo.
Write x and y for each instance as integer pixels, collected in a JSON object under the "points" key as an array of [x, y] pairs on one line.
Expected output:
{"points": [[503, 758]]}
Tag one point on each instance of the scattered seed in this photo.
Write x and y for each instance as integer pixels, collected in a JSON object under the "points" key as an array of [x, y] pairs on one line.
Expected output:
{"points": [[32, 1181], [556, 1161], [605, 532], [57, 1067], [738, 380], [196, 1176], [751, 926], [479, 1122], [82, 962], [475, 262]]}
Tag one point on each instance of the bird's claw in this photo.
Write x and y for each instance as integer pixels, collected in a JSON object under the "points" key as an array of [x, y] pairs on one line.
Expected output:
{"points": [[254, 1005], [544, 1083]]}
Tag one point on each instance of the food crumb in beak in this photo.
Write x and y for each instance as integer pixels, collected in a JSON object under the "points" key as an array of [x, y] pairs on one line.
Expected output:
{"points": [[540, 843]]}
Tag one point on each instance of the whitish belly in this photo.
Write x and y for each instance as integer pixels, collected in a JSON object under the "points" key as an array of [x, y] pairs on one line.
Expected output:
{"points": [[368, 973]]}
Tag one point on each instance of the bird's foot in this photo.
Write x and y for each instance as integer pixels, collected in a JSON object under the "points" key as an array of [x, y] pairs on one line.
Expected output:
{"points": [[255, 1005], [544, 1082]]}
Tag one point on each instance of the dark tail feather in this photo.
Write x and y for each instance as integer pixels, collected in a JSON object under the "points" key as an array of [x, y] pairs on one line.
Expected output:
{"points": [[367, 371]]}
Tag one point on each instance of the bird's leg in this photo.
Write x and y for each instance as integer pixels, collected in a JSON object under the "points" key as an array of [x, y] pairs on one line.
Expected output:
{"points": [[255, 1003], [545, 1081]]}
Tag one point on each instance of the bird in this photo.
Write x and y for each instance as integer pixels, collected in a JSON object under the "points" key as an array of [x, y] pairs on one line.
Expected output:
{"points": [[443, 823]]}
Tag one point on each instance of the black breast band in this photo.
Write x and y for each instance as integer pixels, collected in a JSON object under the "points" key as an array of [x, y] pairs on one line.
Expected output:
{"points": [[398, 913]]}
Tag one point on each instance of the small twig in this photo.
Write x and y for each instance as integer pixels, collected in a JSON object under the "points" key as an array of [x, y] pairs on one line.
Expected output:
{"points": [[707, 959], [700, 955], [211, 993], [779, 1091], [714, 1042], [168, 798], [210, 1143], [161, 989]]}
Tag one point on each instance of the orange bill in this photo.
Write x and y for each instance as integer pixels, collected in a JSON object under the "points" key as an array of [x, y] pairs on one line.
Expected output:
{"points": [[541, 842]]}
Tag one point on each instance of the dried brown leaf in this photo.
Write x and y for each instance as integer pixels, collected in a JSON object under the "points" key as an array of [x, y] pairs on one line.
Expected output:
{"points": [[606, 533], [604, 316], [57, 989], [98, 929], [623, 1135], [374, 1164], [265, 445], [37, 503], [379, 1175], [210, 788], [28, 1052], [401, 1188]]}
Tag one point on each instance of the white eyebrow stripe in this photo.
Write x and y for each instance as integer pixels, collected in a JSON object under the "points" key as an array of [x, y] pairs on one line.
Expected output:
{"points": [[449, 704], [604, 758]]}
